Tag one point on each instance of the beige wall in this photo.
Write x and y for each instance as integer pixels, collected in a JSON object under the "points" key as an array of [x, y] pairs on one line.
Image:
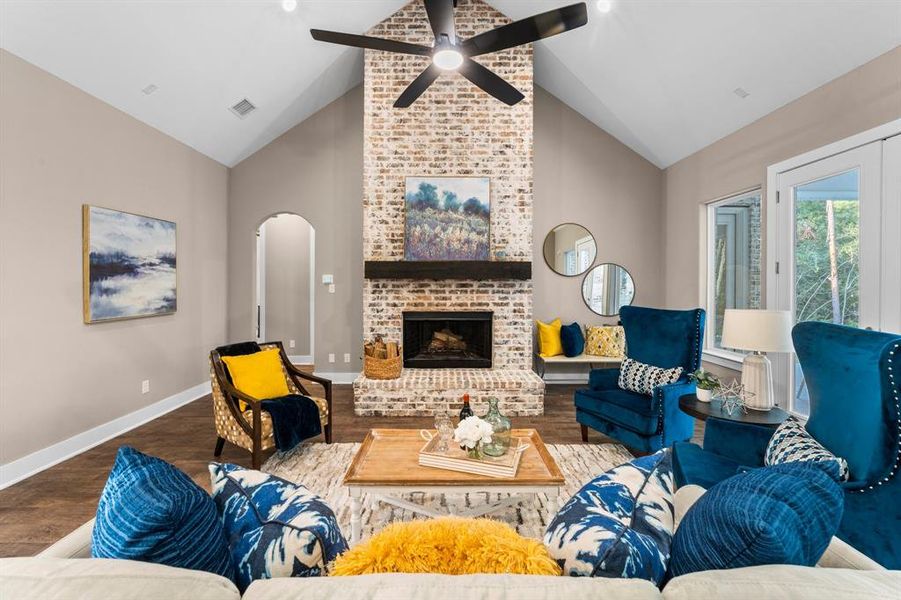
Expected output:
{"points": [[314, 170], [287, 295], [584, 175], [60, 148], [859, 100]]}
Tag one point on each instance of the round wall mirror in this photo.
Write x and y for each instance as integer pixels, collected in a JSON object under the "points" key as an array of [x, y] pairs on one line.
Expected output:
{"points": [[607, 288], [569, 249]]}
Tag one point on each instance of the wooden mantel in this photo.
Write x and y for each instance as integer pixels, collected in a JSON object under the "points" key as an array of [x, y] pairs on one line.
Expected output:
{"points": [[449, 269]]}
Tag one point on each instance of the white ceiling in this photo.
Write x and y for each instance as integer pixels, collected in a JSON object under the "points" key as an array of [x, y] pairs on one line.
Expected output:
{"points": [[657, 74]]}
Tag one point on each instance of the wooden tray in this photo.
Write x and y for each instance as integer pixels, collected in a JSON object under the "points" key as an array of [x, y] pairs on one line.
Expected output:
{"points": [[457, 459]]}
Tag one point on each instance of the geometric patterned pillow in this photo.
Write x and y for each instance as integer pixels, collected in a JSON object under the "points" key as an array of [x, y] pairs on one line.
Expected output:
{"points": [[638, 377], [603, 340], [618, 525], [275, 528], [792, 443]]}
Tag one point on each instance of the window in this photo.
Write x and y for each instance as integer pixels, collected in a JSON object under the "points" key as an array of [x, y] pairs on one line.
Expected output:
{"points": [[733, 263]]}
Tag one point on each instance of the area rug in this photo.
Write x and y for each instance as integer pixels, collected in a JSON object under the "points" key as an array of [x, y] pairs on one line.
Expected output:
{"points": [[320, 467]]}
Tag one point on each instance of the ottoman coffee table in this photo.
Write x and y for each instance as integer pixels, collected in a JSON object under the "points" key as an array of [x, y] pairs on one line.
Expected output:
{"points": [[387, 466]]}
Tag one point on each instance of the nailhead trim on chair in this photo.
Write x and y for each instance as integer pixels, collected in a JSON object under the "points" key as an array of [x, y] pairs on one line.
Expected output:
{"points": [[696, 360], [896, 394]]}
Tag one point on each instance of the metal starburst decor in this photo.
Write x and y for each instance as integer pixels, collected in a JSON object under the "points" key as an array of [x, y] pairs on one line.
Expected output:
{"points": [[733, 397]]}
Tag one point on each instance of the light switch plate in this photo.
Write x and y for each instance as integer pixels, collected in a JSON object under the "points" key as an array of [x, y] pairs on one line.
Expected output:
{"points": [[145, 386], [347, 357], [331, 288], [291, 343], [331, 357]]}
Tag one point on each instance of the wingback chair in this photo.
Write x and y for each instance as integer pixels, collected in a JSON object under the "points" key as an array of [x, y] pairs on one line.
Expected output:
{"points": [[662, 338], [854, 380], [251, 429]]}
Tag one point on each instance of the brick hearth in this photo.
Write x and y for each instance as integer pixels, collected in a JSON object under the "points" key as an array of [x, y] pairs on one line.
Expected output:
{"points": [[454, 129]]}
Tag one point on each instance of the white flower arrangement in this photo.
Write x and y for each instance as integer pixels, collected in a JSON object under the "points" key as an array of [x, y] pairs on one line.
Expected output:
{"points": [[471, 431]]}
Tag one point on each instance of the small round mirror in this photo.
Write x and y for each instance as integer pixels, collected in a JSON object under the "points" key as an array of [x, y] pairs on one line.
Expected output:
{"points": [[569, 249], [607, 288]]}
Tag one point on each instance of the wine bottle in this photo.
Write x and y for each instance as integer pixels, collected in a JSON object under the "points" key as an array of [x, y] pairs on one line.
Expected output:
{"points": [[466, 411]]}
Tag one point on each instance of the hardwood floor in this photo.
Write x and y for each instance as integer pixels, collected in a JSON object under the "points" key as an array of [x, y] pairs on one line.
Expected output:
{"points": [[38, 511]]}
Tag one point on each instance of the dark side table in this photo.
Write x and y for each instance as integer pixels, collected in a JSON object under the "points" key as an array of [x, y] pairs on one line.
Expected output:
{"points": [[702, 410]]}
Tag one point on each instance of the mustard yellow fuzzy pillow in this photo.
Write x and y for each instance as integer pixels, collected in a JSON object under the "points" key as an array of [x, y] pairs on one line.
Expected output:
{"points": [[448, 546]]}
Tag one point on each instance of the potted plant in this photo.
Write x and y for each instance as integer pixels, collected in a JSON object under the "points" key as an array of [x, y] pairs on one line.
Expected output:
{"points": [[706, 382]]}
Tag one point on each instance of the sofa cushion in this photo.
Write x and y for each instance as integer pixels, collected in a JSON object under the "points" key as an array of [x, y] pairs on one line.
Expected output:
{"points": [[694, 465], [572, 339], [636, 376], [275, 528], [785, 582], [103, 578], [417, 586], [792, 443], [449, 546], [619, 524], [631, 410], [785, 514], [153, 512]]}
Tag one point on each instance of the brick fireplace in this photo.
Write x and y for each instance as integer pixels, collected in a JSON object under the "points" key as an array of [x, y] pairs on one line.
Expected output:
{"points": [[454, 129]]}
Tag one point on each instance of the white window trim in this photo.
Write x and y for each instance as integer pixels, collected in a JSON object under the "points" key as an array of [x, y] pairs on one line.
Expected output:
{"points": [[719, 356]]}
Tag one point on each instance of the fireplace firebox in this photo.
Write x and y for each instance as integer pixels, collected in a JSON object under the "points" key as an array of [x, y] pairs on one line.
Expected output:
{"points": [[447, 340]]}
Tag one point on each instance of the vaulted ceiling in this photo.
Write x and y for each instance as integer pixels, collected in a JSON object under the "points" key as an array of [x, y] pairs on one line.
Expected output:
{"points": [[659, 75]]}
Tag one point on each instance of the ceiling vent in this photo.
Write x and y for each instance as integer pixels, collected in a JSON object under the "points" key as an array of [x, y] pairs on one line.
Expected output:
{"points": [[243, 108]]}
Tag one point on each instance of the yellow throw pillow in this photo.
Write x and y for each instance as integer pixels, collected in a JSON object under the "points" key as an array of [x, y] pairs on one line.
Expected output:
{"points": [[259, 375], [447, 546], [549, 343], [604, 340]]}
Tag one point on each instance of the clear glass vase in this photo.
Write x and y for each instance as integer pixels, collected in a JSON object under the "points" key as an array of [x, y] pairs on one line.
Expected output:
{"points": [[500, 439]]}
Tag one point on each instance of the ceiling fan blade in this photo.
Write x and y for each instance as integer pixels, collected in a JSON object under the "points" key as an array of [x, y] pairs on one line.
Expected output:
{"points": [[441, 18], [527, 30], [364, 41], [490, 82], [417, 87]]}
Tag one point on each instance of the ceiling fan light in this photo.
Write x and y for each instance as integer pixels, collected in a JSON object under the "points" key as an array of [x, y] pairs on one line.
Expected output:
{"points": [[447, 59], [604, 6]]}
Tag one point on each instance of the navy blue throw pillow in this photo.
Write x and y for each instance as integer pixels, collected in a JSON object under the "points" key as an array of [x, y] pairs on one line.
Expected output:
{"points": [[572, 339], [152, 512], [780, 515]]}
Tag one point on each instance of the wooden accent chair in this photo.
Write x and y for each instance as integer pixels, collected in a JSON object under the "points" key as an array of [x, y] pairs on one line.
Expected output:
{"points": [[251, 429]]}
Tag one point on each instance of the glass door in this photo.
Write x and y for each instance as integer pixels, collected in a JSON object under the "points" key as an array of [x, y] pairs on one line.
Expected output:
{"points": [[828, 254]]}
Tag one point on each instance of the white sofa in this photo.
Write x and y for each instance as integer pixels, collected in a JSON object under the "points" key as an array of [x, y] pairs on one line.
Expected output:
{"points": [[64, 572]]}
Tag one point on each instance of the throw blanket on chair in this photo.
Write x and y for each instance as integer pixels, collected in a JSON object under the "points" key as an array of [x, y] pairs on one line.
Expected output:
{"points": [[295, 418]]}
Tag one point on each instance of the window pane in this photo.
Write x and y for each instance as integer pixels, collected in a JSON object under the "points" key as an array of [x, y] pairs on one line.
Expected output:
{"points": [[735, 280], [827, 258]]}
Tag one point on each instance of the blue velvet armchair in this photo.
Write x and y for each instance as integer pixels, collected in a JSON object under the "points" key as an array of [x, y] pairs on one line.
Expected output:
{"points": [[663, 338], [853, 377]]}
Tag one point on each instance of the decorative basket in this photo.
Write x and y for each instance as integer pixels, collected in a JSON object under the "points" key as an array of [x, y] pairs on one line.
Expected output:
{"points": [[383, 368]]}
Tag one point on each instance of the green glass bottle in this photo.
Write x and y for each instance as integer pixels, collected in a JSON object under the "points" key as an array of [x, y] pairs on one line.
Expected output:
{"points": [[500, 439]]}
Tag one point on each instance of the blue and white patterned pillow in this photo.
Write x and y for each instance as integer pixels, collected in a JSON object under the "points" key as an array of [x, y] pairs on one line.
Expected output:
{"points": [[153, 512], [619, 524], [638, 377], [275, 528], [792, 443]]}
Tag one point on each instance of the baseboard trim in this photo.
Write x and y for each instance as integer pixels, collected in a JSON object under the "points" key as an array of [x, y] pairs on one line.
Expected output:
{"points": [[23, 468], [338, 377], [301, 359]]}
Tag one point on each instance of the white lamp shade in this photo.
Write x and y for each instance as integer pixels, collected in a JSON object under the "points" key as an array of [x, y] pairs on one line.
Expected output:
{"points": [[757, 330]]}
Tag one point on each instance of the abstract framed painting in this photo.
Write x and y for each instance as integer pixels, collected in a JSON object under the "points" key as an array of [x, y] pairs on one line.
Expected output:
{"points": [[129, 264], [447, 218]]}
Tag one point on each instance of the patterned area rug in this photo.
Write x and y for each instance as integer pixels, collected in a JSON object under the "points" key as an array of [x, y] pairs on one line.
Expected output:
{"points": [[320, 467]]}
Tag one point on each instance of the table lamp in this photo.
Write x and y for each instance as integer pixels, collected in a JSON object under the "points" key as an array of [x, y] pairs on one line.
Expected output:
{"points": [[759, 331]]}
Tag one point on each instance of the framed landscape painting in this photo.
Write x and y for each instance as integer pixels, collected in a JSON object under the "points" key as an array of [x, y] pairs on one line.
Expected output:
{"points": [[129, 264], [447, 218]]}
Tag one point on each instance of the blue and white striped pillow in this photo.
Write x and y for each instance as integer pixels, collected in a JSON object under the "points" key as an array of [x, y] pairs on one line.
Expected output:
{"points": [[618, 525], [151, 511], [275, 528], [792, 443]]}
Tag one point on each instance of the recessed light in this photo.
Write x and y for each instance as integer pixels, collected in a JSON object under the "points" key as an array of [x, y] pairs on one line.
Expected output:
{"points": [[149, 89], [604, 6], [289, 5], [741, 93]]}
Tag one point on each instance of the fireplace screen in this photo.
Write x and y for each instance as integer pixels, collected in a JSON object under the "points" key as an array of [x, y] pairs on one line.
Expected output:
{"points": [[447, 340]]}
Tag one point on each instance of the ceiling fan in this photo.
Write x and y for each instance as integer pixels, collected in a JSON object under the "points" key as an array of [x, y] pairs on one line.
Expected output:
{"points": [[450, 53]]}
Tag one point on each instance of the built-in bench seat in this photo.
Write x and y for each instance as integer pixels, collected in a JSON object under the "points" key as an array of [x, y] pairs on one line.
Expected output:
{"points": [[583, 359]]}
